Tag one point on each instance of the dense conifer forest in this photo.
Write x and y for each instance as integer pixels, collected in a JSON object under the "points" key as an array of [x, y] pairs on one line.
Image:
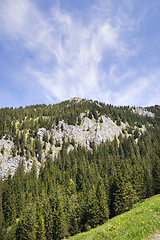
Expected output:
{"points": [[80, 189]]}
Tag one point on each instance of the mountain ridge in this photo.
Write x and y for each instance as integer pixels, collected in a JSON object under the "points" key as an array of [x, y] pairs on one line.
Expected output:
{"points": [[88, 127]]}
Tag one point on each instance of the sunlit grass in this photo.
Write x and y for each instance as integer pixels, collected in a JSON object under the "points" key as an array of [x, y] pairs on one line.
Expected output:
{"points": [[139, 223]]}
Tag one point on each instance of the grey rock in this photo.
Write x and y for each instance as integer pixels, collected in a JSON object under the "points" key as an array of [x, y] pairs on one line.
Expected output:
{"points": [[88, 131], [8, 165], [143, 112], [76, 99], [85, 133], [41, 132], [70, 148], [7, 144]]}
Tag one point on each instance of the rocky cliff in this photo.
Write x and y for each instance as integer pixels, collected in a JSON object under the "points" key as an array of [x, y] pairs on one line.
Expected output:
{"points": [[90, 130], [143, 112], [8, 163], [25, 133]]}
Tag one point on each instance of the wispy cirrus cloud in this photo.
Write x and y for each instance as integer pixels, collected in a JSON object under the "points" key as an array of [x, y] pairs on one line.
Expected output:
{"points": [[141, 90], [66, 57]]}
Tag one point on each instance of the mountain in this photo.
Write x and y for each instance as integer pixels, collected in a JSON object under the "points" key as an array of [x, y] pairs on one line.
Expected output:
{"points": [[71, 166], [31, 133]]}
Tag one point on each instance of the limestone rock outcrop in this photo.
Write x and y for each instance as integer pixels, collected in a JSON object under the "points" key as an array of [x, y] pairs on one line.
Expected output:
{"points": [[143, 112], [8, 163], [41, 132], [89, 131]]}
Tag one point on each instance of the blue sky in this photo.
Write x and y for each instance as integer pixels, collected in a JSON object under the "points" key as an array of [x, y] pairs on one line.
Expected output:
{"points": [[105, 50]]}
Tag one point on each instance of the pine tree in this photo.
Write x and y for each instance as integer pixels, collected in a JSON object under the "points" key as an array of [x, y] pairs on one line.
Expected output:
{"points": [[45, 137], [8, 202], [14, 150], [26, 229], [156, 175], [51, 140], [102, 200], [2, 150], [32, 181], [123, 194], [60, 225], [73, 208], [89, 208], [19, 187], [1, 208], [41, 228], [48, 220]]}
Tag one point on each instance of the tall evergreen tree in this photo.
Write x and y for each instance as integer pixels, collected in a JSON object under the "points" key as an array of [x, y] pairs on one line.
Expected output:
{"points": [[27, 224], [1, 207], [156, 175]]}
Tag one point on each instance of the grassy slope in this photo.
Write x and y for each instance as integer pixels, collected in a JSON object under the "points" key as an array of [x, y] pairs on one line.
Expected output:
{"points": [[139, 223]]}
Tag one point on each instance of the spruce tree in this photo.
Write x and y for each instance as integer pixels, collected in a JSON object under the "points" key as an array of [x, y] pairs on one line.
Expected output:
{"points": [[123, 194], [102, 200], [156, 175], [40, 232], [1, 207], [9, 202], [60, 224], [27, 224]]}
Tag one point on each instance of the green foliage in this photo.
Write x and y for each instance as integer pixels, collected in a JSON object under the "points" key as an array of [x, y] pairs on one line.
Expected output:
{"points": [[156, 175], [1, 207], [41, 232], [80, 189], [142, 222], [51, 140], [136, 133], [26, 227], [2, 150]]}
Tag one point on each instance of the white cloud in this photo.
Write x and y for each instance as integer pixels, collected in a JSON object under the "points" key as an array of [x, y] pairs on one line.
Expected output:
{"points": [[142, 89], [70, 58], [13, 17]]}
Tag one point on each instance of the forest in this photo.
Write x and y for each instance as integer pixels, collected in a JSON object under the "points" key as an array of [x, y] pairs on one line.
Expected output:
{"points": [[81, 189]]}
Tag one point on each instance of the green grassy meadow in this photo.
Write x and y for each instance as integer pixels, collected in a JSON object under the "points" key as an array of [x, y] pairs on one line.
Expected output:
{"points": [[139, 223]]}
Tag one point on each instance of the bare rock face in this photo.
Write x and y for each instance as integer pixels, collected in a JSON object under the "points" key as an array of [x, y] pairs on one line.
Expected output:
{"points": [[41, 133], [143, 112], [76, 99], [89, 131], [6, 144], [70, 148], [9, 164]]}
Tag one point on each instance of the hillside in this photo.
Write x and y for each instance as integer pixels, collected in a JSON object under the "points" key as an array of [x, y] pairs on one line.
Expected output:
{"points": [[69, 167], [142, 222], [33, 132]]}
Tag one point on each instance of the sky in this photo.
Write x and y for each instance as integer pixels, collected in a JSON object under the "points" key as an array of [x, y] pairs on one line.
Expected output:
{"points": [[54, 50]]}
